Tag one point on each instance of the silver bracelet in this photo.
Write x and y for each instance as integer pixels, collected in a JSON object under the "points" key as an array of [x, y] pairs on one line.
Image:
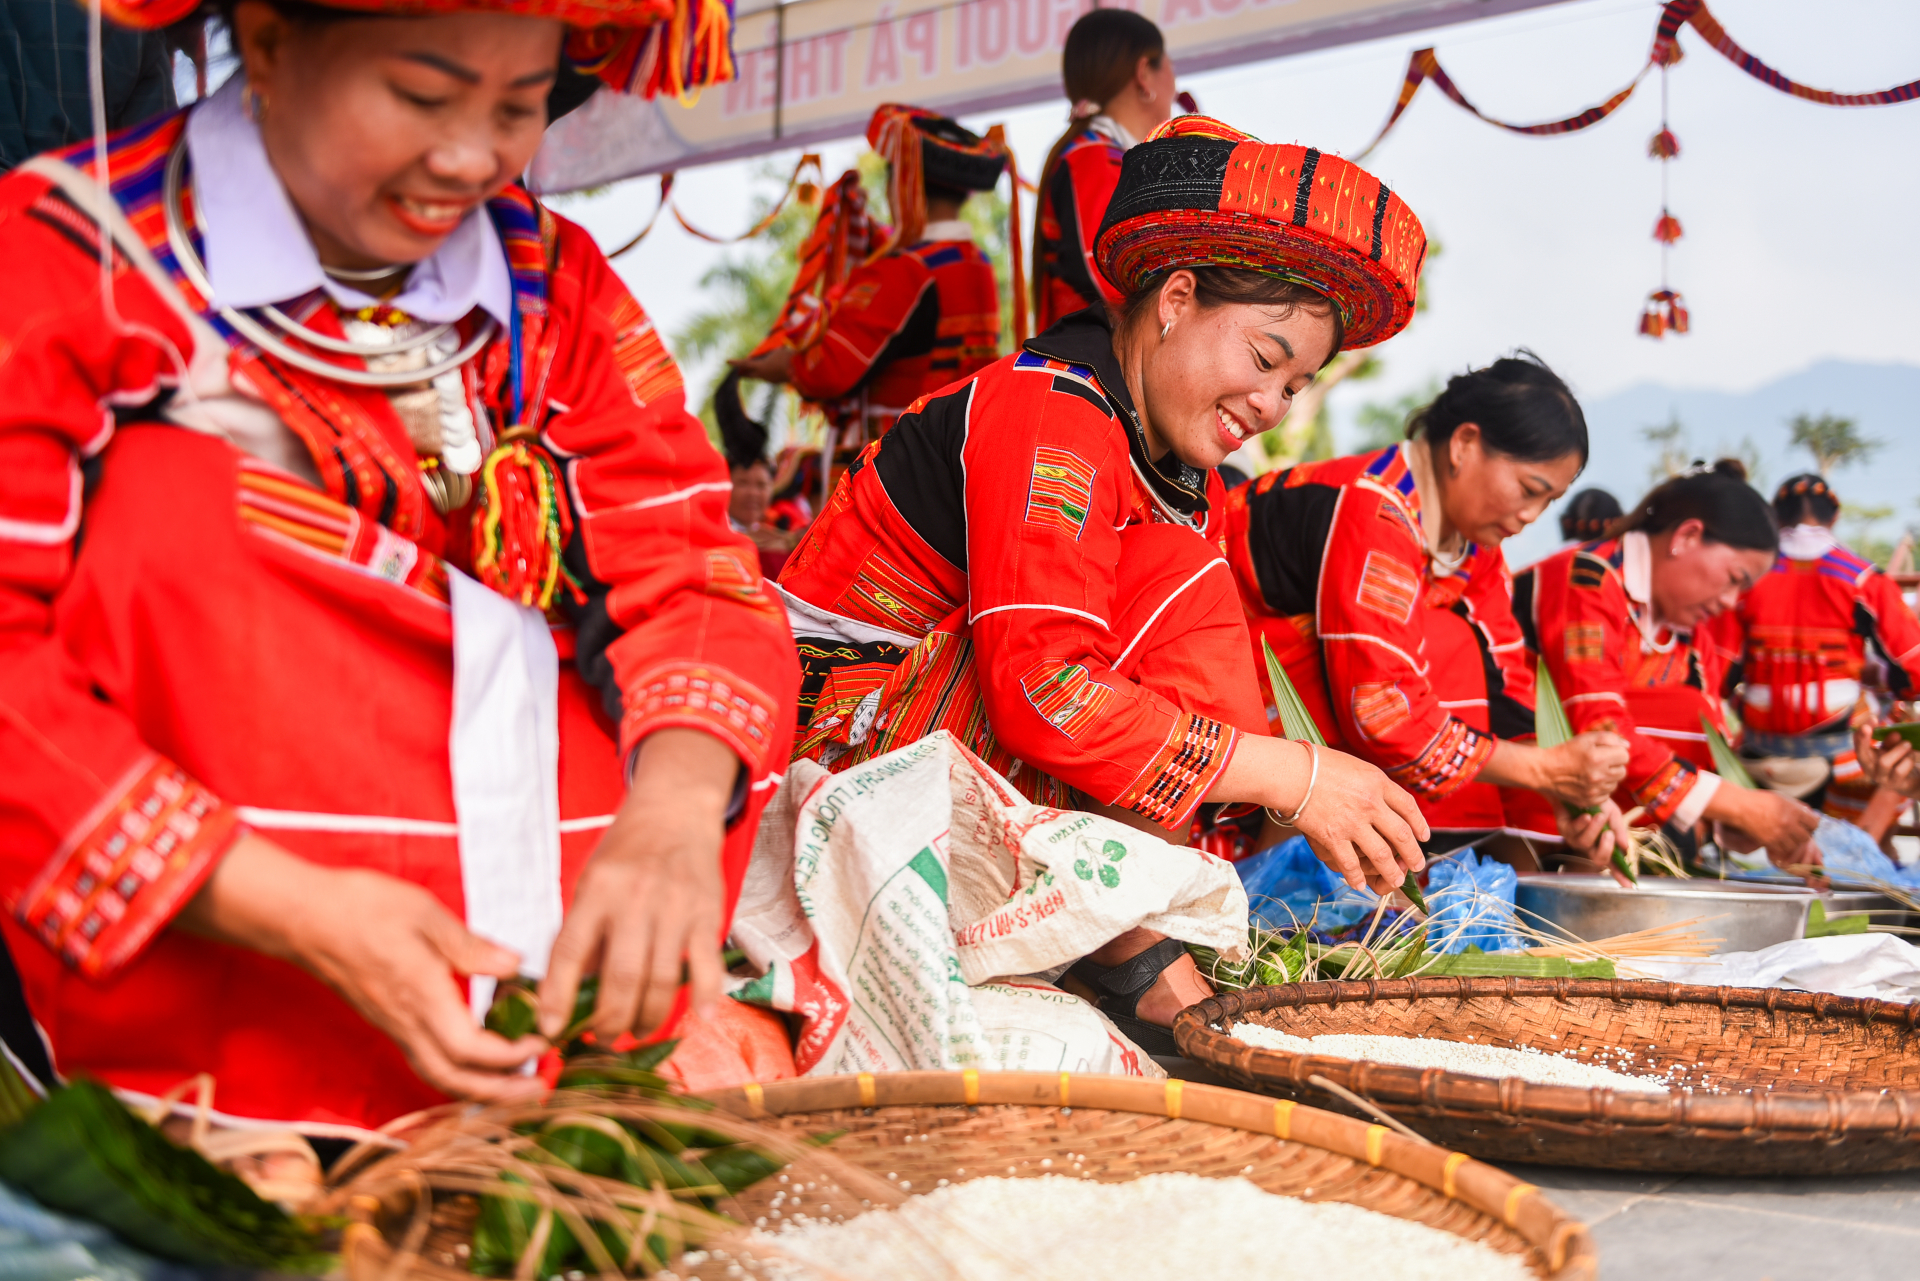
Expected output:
{"points": [[1313, 777]]}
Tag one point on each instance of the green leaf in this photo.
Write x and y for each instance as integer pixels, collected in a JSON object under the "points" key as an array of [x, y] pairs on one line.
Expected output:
{"points": [[1294, 717], [1725, 763], [1625, 868], [1819, 926], [1550, 724], [82, 1152]]}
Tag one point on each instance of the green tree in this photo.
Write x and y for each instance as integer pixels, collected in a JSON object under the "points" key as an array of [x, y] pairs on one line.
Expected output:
{"points": [[1860, 528], [1833, 441], [1671, 439], [1382, 423]]}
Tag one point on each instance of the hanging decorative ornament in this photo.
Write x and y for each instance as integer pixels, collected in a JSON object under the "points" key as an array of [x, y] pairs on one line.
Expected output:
{"points": [[1664, 311]]}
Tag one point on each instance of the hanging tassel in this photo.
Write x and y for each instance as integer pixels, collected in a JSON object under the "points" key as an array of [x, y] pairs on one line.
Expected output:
{"points": [[524, 523], [1664, 146], [1665, 312], [1668, 230]]}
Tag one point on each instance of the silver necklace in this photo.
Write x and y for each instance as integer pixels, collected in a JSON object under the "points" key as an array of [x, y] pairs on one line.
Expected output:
{"points": [[196, 273], [356, 274]]}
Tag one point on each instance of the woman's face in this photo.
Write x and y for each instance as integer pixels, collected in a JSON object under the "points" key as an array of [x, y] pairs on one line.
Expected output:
{"points": [[1160, 84], [1487, 496], [752, 489], [1694, 579], [386, 132], [1221, 375]]}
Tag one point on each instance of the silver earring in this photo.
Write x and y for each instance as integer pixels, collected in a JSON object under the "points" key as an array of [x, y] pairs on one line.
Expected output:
{"points": [[1164, 329], [250, 105]]}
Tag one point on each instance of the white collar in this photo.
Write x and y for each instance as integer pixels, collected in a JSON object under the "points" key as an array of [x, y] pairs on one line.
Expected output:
{"points": [[258, 253], [1112, 130], [1806, 542], [1444, 560], [947, 229], [1636, 575]]}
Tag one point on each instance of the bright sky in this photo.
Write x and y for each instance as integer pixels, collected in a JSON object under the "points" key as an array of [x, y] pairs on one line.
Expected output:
{"points": [[1797, 216]]}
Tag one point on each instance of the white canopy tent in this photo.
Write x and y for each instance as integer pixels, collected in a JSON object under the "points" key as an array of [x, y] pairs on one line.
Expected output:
{"points": [[811, 71]]}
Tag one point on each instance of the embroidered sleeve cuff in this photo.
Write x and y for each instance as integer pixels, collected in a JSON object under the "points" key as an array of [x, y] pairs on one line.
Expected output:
{"points": [[125, 869], [707, 698], [1455, 756], [1695, 802], [1661, 794], [1182, 772]]}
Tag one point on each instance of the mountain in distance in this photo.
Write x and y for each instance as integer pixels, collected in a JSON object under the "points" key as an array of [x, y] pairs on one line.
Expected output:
{"points": [[1882, 399]]}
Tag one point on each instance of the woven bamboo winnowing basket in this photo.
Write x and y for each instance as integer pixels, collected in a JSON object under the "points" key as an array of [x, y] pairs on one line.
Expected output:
{"points": [[925, 1127], [1767, 1081]]}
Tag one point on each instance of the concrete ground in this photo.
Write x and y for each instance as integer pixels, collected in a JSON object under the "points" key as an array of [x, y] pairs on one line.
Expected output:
{"points": [[1701, 1228]]}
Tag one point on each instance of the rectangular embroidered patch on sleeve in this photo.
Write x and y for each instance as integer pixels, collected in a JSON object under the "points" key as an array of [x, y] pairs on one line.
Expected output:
{"points": [[1586, 642], [1388, 586], [1064, 695], [1379, 708], [1453, 757], [1181, 772], [127, 868], [701, 697], [1061, 490]]}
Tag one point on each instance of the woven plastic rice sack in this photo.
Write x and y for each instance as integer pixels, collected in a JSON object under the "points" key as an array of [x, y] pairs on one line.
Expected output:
{"points": [[896, 906]]}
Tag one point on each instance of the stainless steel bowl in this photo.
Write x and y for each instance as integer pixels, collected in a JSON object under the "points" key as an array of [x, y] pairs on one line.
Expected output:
{"points": [[1746, 916]]}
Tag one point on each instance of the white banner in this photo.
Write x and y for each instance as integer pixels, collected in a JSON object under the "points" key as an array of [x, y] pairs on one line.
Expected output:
{"points": [[812, 71]]}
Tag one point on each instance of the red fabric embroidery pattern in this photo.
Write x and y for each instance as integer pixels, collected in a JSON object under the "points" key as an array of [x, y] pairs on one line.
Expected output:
{"points": [[885, 597], [1183, 768], [1379, 707], [1064, 695], [1388, 587], [283, 510], [1061, 490], [1661, 794], [690, 694], [1586, 642], [1453, 757], [643, 359], [1391, 512], [122, 873], [728, 577]]}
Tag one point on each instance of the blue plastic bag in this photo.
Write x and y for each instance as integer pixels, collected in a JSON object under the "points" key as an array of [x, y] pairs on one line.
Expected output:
{"points": [[1472, 902], [1847, 850], [1287, 886]]}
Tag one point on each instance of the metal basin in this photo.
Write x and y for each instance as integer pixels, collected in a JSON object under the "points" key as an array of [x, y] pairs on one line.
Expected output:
{"points": [[1750, 916]]}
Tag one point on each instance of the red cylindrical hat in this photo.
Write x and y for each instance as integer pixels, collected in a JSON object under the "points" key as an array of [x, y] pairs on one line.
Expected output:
{"points": [[1199, 193]]}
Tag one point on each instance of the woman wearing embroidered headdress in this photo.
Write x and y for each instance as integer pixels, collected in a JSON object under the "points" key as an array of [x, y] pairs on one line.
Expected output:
{"points": [[1379, 583], [1804, 639], [368, 614], [1119, 79], [1624, 625], [1030, 558], [923, 312]]}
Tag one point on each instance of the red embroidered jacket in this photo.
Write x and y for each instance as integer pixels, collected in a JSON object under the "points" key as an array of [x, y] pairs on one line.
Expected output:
{"points": [[1411, 669], [999, 503], [906, 325], [1805, 633], [1071, 210], [194, 640], [1616, 669]]}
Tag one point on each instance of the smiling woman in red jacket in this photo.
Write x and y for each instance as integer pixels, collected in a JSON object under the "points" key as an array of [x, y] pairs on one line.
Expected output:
{"points": [[1031, 559], [1621, 624], [1380, 584]]}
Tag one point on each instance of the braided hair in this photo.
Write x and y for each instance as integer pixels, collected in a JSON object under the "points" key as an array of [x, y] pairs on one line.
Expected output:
{"points": [[1805, 499], [1588, 515]]}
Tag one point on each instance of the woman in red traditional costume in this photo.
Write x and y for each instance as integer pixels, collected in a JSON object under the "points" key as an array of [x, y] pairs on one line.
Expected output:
{"points": [[1120, 81], [1379, 582], [923, 313], [369, 615], [1804, 638], [1621, 625], [1031, 558]]}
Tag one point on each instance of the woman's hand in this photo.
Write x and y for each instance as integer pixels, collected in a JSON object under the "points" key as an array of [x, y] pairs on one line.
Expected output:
{"points": [[1583, 771], [1780, 823], [773, 366], [649, 901], [1595, 836], [389, 947], [1892, 764], [1361, 823]]}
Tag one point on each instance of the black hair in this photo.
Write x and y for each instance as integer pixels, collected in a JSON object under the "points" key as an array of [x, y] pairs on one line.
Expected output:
{"points": [[1588, 515], [1803, 498], [940, 191], [742, 439], [1218, 286], [1521, 407], [1729, 509]]}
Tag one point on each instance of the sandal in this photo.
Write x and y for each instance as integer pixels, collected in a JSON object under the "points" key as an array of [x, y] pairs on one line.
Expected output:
{"points": [[1118, 990]]}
